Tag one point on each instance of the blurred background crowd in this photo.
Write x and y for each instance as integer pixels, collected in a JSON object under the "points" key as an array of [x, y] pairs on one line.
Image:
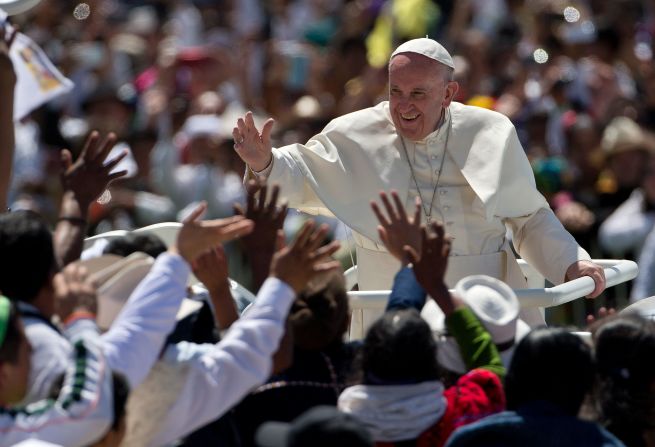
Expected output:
{"points": [[170, 78]]}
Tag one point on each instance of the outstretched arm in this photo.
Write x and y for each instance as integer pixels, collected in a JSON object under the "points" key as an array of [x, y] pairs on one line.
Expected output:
{"points": [[7, 141], [135, 339], [223, 374], [83, 182], [269, 219]]}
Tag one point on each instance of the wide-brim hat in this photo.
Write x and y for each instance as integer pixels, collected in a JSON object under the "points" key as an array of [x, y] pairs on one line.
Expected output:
{"points": [[13, 7], [115, 278], [623, 134], [495, 304]]}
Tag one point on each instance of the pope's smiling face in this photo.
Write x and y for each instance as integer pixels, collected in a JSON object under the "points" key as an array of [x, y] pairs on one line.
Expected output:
{"points": [[419, 90]]}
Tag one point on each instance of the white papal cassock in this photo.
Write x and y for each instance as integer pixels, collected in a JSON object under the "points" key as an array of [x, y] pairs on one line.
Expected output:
{"points": [[485, 186]]}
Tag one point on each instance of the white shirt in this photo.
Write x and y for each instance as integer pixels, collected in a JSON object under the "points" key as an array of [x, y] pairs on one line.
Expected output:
{"points": [[207, 380], [133, 342]]}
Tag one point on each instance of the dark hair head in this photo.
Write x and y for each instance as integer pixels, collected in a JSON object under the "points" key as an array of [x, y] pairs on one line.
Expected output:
{"points": [[399, 348], [131, 243], [28, 256], [319, 316], [13, 337], [625, 355], [551, 365]]}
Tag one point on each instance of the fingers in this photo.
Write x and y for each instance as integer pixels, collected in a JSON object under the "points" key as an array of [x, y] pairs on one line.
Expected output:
{"points": [[598, 275], [317, 238], [275, 192], [250, 124], [115, 175], [325, 251], [266, 132], [65, 159], [417, 211], [238, 137], [106, 146], [400, 208], [303, 235], [387, 205], [241, 125], [196, 213], [262, 198], [411, 254], [90, 141], [235, 230], [114, 161], [380, 216]]}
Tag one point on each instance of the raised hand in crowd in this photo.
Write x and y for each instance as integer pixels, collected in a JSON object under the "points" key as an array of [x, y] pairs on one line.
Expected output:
{"points": [[304, 258], [74, 293], [83, 181], [211, 268], [196, 236], [397, 229], [430, 266], [268, 218], [253, 147], [89, 176], [7, 84]]}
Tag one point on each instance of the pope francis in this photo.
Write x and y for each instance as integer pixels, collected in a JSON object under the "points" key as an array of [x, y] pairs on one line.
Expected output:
{"points": [[464, 163]]}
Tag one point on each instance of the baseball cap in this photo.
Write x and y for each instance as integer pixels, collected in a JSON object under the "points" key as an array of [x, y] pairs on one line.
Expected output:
{"points": [[321, 426]]}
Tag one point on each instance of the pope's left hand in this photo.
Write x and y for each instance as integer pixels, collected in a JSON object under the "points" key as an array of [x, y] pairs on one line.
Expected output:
{"points": [[587, 268]]}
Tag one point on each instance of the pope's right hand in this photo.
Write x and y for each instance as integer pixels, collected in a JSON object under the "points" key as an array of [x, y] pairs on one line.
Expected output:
{"points": [[252, 146]]}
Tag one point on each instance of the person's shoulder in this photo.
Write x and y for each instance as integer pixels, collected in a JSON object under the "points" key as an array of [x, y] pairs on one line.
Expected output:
{"points": [[472, 116], [371, 117]]}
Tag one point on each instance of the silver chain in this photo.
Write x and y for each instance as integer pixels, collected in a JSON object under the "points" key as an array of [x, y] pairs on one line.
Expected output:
{"points": [[428, 215]]}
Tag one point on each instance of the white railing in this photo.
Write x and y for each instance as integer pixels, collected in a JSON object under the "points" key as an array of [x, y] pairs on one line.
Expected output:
{"points": [[616, 272]]}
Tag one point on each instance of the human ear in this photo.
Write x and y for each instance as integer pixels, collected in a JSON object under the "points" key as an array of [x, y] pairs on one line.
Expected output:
{"points": [[451, 91]]}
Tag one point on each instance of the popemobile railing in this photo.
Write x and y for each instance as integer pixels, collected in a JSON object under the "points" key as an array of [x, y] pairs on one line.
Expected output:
{"points": [[616, 272]]}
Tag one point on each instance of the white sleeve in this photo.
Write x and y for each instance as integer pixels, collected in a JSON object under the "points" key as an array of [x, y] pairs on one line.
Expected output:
{"points": [[220, 377], [83, 411], [544, 243], [136, 338]]}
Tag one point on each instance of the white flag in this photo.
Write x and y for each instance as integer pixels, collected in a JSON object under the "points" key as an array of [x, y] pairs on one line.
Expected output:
{"points": [[38, 80]]}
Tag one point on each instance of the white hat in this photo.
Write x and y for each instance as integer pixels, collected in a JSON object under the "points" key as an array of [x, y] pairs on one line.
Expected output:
{"points": [[495, 304], [13, 7], [428, 48], [644, 307], [203, 126]]}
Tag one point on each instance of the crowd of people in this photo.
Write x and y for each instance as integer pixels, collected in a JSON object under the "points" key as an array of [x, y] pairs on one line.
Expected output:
{"points": [[136, 342]]}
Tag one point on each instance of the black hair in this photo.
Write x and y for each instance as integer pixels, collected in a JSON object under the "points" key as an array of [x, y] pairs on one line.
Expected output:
{"points": [[319, 316], [625, 355], [130, 243], [28, 257], [551, 365], [13, 337], [399, 348]]}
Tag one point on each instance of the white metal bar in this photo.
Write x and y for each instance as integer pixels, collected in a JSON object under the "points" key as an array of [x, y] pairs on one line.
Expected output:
{"points": [[616, 272]]}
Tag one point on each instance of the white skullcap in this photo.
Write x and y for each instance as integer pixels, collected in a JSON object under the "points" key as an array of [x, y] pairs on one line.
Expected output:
{"points": [[428, 48]]}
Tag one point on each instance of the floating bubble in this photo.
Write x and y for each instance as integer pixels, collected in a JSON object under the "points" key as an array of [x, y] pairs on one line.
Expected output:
{"points": [[540, 56], [105, 198], [571, 14], [82, 11]]}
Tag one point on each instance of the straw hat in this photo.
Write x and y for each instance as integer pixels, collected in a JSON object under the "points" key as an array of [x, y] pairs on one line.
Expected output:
{"points": [[623, 134]]}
